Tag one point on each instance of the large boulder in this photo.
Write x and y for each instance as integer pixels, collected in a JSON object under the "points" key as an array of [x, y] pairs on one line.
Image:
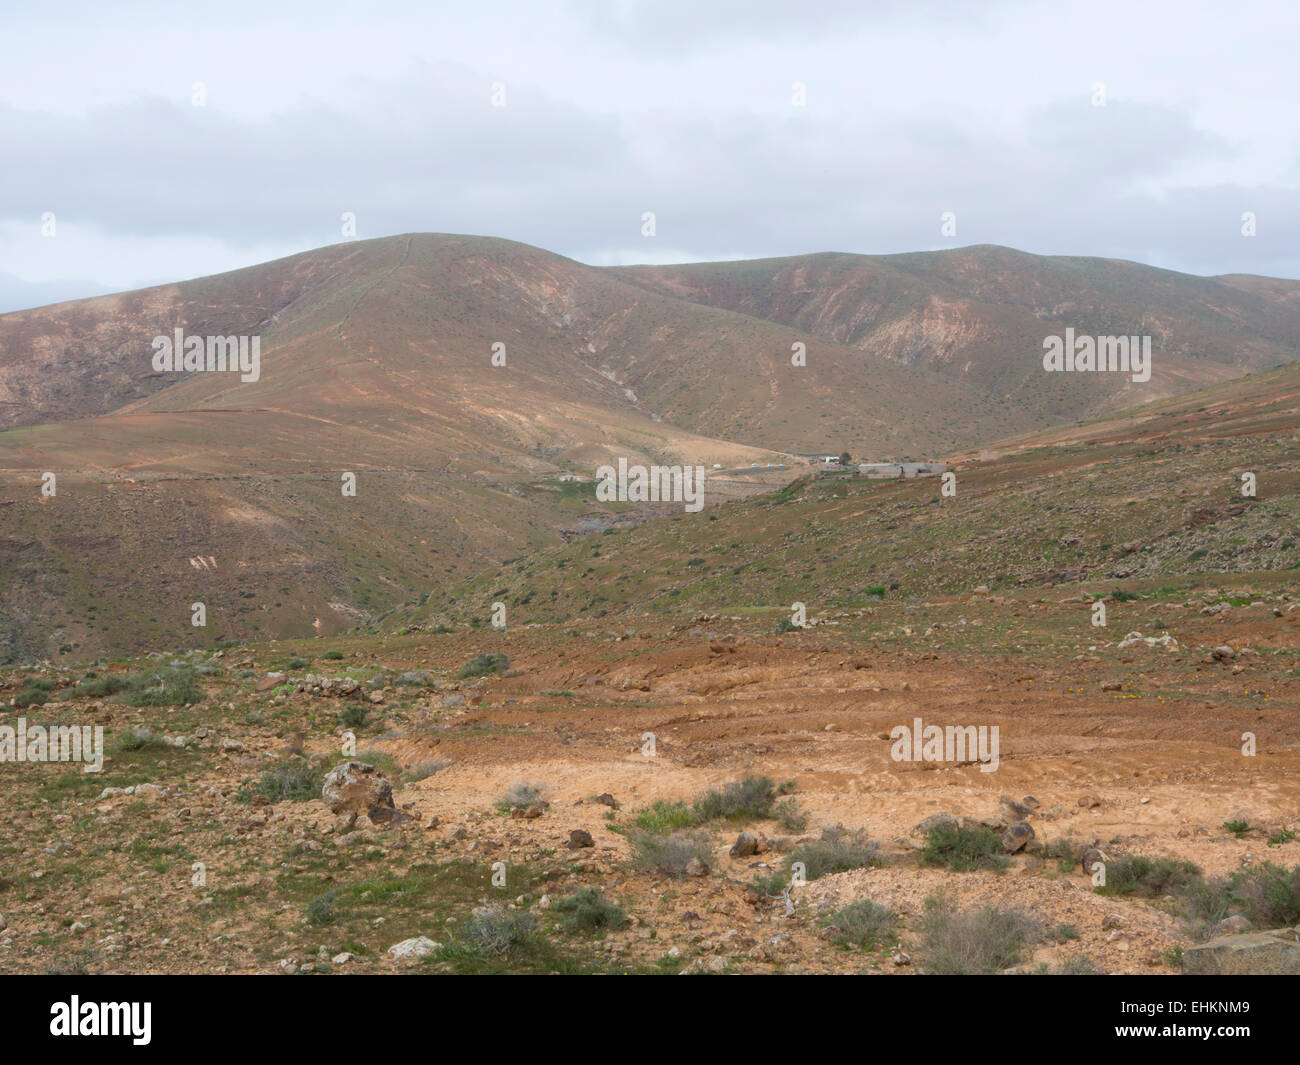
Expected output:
{"points": [[1275, 953], [1090, 857], [1018, 834], [356, 787], [413, 949]]}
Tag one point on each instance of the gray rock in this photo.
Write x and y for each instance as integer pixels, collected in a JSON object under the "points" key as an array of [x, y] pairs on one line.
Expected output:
{"points": [[1014, 811], [1251, 954], [1016, 836], [695, 867], [356, 787], [580, 838], [413, 949], [1091, 856]]}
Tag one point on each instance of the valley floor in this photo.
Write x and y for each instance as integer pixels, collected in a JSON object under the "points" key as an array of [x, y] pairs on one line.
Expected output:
{"points": [[233, 863]]}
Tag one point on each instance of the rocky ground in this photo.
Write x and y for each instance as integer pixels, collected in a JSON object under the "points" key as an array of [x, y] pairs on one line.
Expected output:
{"points": [[204, 844]]}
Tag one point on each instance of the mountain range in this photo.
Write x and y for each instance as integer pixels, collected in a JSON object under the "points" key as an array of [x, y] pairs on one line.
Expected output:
{"points": [[465, 381]]}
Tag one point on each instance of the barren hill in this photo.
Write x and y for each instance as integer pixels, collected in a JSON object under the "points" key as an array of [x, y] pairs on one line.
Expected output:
{"points": [[377, 360]]}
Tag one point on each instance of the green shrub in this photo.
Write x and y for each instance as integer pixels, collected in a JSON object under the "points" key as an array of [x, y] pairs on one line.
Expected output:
{"points": [[1064, 852], [770, 885], [1148, 878], [353, 715], [97, 687], [963, 848], [174, 685], [1268, 894], [484, 665], [31, 697], [838, 850], [586, 910], [323, 909], [752, 798]]}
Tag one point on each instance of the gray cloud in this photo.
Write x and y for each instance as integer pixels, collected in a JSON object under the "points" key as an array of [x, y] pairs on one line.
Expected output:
{"points": [[147, 187]]}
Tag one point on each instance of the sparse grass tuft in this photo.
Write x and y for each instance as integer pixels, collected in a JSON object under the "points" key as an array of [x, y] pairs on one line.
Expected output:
{"points": [[421, 770], [496, 931], [862, 925], [790, 817], [523, 794], [294, 779], [662, 817], [139, 739], [966, 942], [669, 855]]}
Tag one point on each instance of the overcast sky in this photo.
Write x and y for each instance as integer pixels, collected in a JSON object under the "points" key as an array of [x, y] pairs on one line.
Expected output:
{"points": [[612, 108]]}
